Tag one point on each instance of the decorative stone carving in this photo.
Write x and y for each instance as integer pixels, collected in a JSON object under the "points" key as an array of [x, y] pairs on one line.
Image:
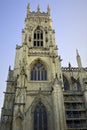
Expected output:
{"points": [[20, 95], [22, 76]]}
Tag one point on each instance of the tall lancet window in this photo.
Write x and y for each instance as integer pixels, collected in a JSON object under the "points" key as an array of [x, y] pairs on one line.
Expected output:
{"points": [[66, 84], [38, 72], [38, 37], [40, 117]]}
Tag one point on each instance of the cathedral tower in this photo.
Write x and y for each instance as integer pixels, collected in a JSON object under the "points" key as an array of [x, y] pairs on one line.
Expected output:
{"points": [[40, 94]]}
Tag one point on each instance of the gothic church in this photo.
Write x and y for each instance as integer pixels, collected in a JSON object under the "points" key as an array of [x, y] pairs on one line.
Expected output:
{"points": [[40, 94]]}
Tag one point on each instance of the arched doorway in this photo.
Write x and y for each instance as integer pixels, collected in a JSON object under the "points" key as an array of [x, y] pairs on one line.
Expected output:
{"points": [[40, 117]]}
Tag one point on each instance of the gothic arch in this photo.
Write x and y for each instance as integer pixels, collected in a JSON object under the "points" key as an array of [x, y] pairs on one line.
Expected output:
{"points": [[48, 110], [39, 60], [67, 77], [38, 37], [76, 85], [40, 116], [43, 63], [31, 109], [42, 99], [66, 83], [35, 28]]}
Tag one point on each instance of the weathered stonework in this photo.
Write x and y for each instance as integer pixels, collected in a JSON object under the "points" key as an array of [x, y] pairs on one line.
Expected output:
{"points": [[61, 91]]}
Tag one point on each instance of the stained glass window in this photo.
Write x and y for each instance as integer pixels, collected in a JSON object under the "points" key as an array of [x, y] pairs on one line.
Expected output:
{"points": [[66, 84], [40, 117], [38, 72]]}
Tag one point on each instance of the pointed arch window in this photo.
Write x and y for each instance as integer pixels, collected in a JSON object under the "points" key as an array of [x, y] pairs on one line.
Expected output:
{"points": [[38, 72], [66, 84], [38, 37], [76, 84], [40, 117]]}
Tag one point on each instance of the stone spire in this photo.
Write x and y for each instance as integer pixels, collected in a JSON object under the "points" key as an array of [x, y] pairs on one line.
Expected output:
{"points": [[28, 9], [38, 8], [48, 10], [69, 65], [78, 60]]}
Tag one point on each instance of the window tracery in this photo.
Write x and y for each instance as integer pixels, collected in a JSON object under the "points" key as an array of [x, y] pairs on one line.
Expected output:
{"points": [[66, 84], [38, 37], [40, 117], [38, 72]]}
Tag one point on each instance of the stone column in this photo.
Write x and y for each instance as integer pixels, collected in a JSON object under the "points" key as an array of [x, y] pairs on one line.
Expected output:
{"points": [[61, 109], [56, 108], [58, 102]]}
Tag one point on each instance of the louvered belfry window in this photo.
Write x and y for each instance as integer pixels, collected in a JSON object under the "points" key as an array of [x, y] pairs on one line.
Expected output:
{"points": [[38, 37]]}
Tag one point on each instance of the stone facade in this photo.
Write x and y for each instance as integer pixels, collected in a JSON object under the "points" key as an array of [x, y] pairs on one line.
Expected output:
{"points": [[40, 94]]}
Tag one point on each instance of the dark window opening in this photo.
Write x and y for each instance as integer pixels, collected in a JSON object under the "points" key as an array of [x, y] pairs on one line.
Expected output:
{"points": [[66, 84], [34, 43], [41, 43], [74, 124], [38, 72], [40, 117], [38, 38], [41, 35], [34, 35], [38, 43]]}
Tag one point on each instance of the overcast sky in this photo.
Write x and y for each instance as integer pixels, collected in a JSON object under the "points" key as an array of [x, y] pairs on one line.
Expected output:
{"points": [[69, 21]]}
